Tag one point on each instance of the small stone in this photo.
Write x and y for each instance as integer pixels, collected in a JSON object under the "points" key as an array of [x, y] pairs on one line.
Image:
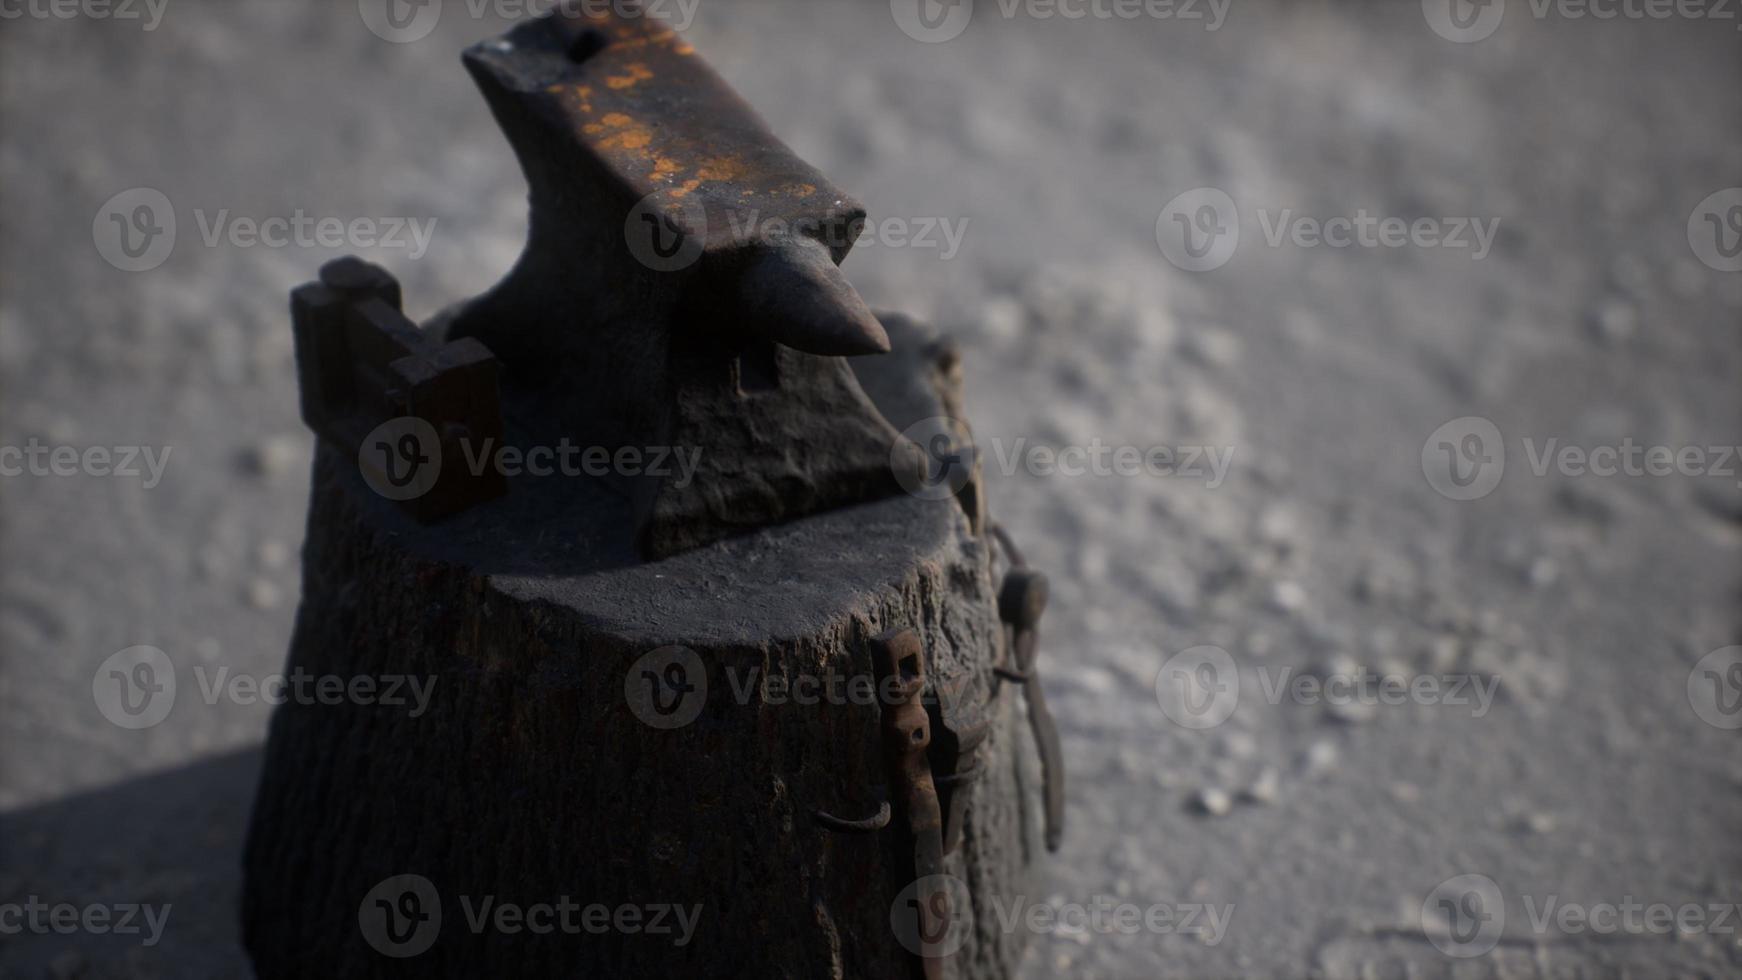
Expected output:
{"points": [[1543, 572], [1213, 801], [1240, 745], [1350, 712], [1444, 654], [1406, 792], [1002, 318], [1264, 789], [273, 554], [1615, 320], [1212, 346], [1338, 664], [1279, 526], [1287, 596], [271, 457], [263, 594], [1320, 757], [1539, 823], [213, 563]]}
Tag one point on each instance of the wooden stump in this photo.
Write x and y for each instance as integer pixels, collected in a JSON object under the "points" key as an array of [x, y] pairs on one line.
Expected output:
{"points": [[544, 770]]}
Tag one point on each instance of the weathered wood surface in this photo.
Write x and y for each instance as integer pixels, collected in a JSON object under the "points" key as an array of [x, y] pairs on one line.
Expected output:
{"points": [[531, 777]]}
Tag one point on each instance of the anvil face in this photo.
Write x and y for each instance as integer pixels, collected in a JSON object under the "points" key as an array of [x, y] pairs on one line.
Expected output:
{"points": [[636, 98], [679, 286]]}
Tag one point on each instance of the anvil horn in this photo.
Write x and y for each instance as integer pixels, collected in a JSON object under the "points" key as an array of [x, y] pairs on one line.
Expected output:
{"points": [[793, 294]]}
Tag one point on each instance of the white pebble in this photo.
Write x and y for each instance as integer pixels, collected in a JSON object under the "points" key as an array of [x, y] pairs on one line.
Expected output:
{"points": [[1543, 572], [1213, 801], [263, 594], [1264, 789], [1287, 596]]}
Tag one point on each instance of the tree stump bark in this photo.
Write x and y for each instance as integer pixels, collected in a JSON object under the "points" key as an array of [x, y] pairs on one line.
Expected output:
{"points": [[539, 775]]}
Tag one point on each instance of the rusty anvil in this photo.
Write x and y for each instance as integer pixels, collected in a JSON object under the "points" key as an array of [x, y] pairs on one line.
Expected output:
{"points": [[679, 286]]}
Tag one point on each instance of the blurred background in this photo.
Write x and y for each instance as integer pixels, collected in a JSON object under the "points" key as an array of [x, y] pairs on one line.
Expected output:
{"points": [[1133, 215]]}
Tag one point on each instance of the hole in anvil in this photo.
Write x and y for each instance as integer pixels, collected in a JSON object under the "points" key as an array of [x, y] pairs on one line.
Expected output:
{"points": [[756, 368], [586, 44]]}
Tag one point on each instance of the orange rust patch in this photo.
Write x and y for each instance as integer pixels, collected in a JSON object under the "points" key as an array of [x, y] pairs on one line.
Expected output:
{"points": [[721, 168], [637, 72]]}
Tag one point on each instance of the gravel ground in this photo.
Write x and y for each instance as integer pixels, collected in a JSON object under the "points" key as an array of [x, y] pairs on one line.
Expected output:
{"points": [[1598, 774]]}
